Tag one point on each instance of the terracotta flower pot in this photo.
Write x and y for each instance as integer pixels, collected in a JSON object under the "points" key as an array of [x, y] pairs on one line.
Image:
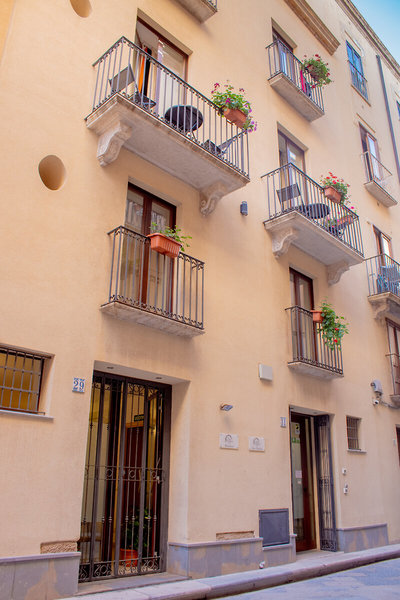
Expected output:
{"points": [[317, 316], [313, 72], [235, 116], [130, 556], [332, 194], [164, 244]]}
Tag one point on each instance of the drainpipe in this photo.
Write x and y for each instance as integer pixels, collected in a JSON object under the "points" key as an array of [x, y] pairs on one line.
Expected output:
{"points": [[396, 156]]}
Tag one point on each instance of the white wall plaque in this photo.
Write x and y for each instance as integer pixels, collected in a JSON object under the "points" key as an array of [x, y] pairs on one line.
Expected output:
{"points": [[256, 444], [229, 440], [78, 385]]}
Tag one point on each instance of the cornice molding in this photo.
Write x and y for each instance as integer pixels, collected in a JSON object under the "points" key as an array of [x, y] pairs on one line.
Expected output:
{"points": [[348, 7], [312, 21]]}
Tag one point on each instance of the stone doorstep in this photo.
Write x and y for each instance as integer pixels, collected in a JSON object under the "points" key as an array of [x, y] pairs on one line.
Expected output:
{"points": [[307, 566]]}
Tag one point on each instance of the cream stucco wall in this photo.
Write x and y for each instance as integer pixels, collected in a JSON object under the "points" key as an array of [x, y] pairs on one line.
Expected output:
{"points": [[55, 272]]}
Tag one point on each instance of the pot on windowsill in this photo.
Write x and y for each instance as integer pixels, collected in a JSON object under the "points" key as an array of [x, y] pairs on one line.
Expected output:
{"points": [[164, 244], [316, 316], [235, 116], [332, 194]]}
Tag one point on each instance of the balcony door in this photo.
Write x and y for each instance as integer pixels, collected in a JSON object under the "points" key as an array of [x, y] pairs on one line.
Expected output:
{"points": [[283, 55], [372, 163], [153, 81], [293, 186], [394, 350], [303, 334], [145, 273]]}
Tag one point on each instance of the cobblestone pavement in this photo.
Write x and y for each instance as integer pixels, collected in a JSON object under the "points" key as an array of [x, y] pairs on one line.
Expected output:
{"points": [[380, 581]]}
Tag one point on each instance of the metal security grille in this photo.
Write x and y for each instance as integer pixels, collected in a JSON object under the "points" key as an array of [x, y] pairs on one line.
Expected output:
{"points": [[352, 433], [20, 380], [326, 501], [123, 528]]}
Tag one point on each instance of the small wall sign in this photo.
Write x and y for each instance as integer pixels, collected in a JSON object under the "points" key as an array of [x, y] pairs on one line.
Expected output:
{"points": [[229, 440], [256, 444], [78, 385]]}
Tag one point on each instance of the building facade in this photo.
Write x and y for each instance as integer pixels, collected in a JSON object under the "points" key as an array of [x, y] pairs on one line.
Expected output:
{"points": [[186, 414]]}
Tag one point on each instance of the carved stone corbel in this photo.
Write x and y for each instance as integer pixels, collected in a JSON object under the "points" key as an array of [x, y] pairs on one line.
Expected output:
{"points": [[380, 309], [111, 141], [210, 196], [282, 239], [334, 272]]}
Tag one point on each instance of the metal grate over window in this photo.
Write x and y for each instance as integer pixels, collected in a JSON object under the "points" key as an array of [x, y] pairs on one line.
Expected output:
{"points": [[353, 442], [20, 380]]}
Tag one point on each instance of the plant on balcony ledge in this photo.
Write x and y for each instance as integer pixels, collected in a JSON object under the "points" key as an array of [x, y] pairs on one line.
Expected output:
{"points": [[233, 106], [332, 327], [168, 241], [317, 68], [335, 189]]}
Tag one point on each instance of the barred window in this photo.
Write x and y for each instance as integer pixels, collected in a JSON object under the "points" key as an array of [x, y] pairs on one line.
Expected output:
{"points": [[353, 426], [356, 70], [20, 380]]}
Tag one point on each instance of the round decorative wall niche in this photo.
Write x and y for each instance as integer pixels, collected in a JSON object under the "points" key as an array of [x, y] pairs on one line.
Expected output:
{"points": [[83, 8], [52, 172]]}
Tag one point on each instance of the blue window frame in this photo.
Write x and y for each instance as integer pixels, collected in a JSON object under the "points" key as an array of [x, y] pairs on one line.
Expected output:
{"points": [[356, 69]]}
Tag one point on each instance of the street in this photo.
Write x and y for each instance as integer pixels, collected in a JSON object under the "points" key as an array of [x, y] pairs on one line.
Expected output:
{"points": [[379, 581]]}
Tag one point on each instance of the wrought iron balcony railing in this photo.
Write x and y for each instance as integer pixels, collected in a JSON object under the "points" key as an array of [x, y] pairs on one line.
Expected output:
{"points": [[307, 344], [128, 70], [374, 170], [282, 60], [358, 80], [290, 189], [383, 275], [144, 279]]}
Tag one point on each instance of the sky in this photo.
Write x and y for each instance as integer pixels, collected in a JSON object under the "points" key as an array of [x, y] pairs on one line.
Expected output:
{"points": [[384, 18]]}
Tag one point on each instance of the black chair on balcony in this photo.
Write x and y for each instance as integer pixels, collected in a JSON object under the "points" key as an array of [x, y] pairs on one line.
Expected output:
{"points": [[311, 211], [222, 149], [125, 78], [389, 280]]}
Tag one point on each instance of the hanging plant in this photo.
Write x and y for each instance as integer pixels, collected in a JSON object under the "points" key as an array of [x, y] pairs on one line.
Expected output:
{"points": [[333, 327], [233, 105], [317, 68]]}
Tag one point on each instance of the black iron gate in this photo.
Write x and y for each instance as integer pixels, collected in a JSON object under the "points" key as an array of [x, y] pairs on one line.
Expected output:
{"points": [[326, 499], [124, 508]]}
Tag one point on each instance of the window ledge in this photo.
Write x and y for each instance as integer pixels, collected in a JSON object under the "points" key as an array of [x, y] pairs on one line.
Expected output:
{"points": [[361, 95], [16, 413], [353, 451]]}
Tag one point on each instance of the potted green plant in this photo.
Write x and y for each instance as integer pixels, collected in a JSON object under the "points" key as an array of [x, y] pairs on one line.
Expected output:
{"points": [[335, 188], [332, 327], [233, 105], [168, 240], [129, 543], [317, 68]]}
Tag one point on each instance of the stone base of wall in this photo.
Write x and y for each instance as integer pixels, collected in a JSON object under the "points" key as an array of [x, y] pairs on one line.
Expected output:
{"points": [[39, 576], [210, 559], [352, 539], [280, 554]]}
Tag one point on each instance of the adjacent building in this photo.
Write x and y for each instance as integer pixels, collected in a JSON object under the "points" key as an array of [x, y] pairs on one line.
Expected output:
{"points": [[186, 414]]}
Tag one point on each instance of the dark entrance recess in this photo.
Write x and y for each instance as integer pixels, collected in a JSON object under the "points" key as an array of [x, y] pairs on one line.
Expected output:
{"points": [[304, 514], [125, 495]]}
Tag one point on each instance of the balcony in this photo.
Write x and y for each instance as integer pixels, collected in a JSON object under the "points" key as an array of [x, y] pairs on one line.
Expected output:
{"points": [[311, 356], [376, 180], [395, 371], [384, 287], [152, 289], [358, 81], [297, 87], [141, 105], [300, 215], [201, 9]]}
